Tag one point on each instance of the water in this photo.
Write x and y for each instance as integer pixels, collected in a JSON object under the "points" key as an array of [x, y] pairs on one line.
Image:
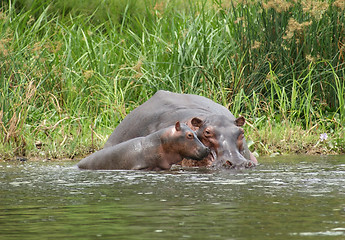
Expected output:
{"points": [[283, 198]]}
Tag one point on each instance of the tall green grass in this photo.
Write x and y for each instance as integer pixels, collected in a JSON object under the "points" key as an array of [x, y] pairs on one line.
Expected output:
{"points": [[71, 73]]}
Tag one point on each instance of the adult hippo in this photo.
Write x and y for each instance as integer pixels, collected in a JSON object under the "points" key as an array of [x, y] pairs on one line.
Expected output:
{"points": [[214, 124]]}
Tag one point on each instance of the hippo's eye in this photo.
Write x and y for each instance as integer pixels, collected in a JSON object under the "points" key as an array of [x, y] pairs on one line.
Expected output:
{"points": [[241, 134], [240, 141], [190, 135], [207, 133]]}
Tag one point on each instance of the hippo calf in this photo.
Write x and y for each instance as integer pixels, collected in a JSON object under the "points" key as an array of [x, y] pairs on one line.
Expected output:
{"points": [[156, 151]]}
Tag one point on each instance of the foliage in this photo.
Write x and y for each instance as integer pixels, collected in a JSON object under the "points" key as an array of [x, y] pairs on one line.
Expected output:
{"points": [[71, 71]]}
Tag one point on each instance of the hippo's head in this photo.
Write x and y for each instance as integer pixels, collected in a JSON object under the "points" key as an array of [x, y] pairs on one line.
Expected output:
{"points": [[225, 138], [184, 141]]}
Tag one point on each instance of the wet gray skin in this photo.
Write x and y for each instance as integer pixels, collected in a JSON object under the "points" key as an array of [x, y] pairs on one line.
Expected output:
{"points": [[156, 151], [226, 142], [164, 108]]}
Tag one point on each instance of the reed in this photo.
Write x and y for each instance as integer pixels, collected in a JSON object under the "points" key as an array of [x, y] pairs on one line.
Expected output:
{"points": [[70, 74]]}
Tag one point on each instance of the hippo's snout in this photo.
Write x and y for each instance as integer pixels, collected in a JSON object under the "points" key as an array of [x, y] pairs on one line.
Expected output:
{"points": [[202, 152], [206, 151], [245, 164], [233, 160]]}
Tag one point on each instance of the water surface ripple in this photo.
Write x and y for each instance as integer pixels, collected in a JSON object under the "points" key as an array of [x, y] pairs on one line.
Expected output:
{"points": [[283, 198]]}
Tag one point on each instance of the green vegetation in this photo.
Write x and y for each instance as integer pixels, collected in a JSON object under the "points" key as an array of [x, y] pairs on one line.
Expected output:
{"points": [[70, 72]]}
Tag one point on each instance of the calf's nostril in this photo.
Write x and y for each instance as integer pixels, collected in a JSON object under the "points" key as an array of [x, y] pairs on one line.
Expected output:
{"points": [[208, 150]]}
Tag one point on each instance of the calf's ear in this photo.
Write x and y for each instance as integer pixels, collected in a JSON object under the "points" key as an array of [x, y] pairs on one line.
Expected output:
{"points": [[240, 121], [178, 126]]}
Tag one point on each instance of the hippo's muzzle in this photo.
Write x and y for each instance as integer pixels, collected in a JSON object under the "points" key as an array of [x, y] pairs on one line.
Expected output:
{"points": [[231, 160], [245, 164], [202, 152]]}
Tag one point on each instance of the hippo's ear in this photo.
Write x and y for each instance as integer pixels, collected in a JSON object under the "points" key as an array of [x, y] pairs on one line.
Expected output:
{"points": [[177, 126], [240, 121], [196, 122]]}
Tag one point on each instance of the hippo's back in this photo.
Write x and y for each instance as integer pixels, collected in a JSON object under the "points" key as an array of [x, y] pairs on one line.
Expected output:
{"points": [[164, 109]]}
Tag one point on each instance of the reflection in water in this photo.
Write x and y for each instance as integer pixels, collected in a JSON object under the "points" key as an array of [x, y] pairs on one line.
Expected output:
{"points": [[289, 198]]}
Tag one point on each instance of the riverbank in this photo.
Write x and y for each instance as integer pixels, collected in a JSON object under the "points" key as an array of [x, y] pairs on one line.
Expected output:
{"points": [[271, 140], [68, 77]]}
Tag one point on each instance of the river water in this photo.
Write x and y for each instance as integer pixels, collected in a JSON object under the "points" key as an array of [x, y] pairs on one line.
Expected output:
{"points": [[283, 198]]}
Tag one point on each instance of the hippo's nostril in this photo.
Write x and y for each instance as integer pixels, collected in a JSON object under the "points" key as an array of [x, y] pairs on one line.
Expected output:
{"points": [[228, 164], [250, 164]]}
